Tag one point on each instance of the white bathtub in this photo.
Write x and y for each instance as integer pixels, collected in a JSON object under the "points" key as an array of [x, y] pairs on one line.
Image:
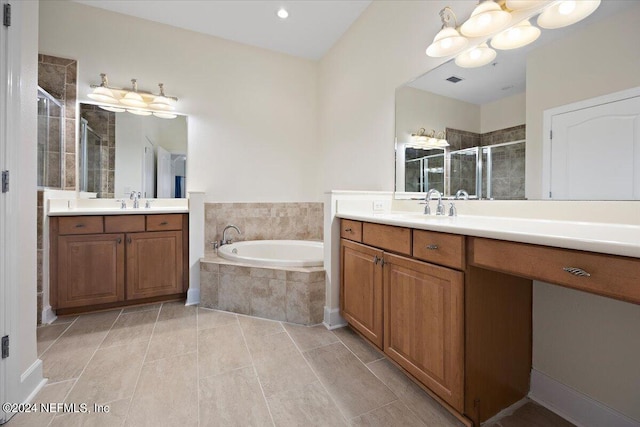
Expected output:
{"points": [[275, 253]]}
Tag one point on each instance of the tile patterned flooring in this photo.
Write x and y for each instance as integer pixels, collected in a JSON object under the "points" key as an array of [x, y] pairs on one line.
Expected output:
{"points": [[168, 364]]}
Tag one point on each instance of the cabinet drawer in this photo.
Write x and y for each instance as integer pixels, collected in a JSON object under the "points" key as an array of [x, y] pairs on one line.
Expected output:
{"points": [[164, 222], [80, 225], [439, 248], [351, 230], [123, 223], [395, 239], [609, 275]]}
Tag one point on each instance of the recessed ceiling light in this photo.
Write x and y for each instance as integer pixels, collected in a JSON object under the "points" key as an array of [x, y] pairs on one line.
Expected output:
{"points": [[282, 13]]}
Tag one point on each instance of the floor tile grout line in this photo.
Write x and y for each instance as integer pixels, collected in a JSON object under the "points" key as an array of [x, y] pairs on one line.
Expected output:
{"points": [[135, 388], [379, 407], [255, 371], [382, 356], [59, 336], [344, 417]]}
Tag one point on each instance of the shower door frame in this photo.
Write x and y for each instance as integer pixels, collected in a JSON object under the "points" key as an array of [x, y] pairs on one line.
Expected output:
{"points": [[60, 105]]}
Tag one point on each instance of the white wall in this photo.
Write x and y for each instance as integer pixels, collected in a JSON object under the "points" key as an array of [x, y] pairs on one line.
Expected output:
{"points": [[503, 113], [252, 113]]}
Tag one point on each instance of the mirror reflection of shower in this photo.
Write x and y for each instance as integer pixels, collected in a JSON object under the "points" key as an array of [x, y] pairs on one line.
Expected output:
{"points": [[90, 159], [50, 140], [179, 173]]}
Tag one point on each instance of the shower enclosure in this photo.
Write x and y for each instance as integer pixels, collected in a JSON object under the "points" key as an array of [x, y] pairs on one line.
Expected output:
{"points": [[90, 159], [50, 140]]}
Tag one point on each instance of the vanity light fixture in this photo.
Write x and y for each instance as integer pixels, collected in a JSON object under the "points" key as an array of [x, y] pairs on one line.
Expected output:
{"points": [[516, 36], [476, 57], [487, 18], [522, 4], [567, 12], [448, 41], [133, 100], [425, 140]]}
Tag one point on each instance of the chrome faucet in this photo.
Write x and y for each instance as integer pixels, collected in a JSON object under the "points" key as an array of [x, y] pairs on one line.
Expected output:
{"points": [[462, 194], [135, 196], [439, 208], [224, 240]]}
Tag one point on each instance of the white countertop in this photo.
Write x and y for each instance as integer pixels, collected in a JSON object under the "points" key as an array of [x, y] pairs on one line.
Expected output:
{"points": [[616, 239], [74, 207], [128, 211]]}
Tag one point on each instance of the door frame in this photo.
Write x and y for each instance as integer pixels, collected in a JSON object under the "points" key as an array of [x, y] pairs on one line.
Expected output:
{"points": [[547, 117]]}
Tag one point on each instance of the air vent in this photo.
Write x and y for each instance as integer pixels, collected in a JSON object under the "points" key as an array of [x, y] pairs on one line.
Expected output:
{"points": [[454, 79]]}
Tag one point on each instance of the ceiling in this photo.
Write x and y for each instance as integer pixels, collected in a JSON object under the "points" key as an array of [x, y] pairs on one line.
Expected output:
{"points": [[313, 26]]}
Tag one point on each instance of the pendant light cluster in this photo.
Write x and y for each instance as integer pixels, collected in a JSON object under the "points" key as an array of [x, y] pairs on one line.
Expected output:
{"points": [[427, 140], [489, 18], [134, 101]]}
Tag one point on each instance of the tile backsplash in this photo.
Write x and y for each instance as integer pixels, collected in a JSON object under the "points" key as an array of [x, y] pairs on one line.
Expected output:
{"points": [[265, 221]]}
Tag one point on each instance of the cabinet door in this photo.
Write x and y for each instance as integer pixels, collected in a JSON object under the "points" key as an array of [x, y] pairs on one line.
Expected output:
{"points": [[424, 324], [90, 269], [154, 264], [361, 289]]}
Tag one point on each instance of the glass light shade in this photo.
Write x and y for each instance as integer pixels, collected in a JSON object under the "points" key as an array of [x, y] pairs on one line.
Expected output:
{"points": [[447, 42], [515, 37], [442, 143], [162, 103], [139, 112], [133, 99], [112, 109], [523, 4], [163, 115], [487, 18], [476, 57], [564, 13], [103, 94]]}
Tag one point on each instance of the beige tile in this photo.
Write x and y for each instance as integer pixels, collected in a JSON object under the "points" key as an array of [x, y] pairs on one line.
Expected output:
{"points": [[166, 394], [221, 349], [274, 345], [110, 375], [234, 292], [213, 318], [365, 351], [416, 399], [308, 337], [394, 414], [144, 307], [253, 326], [176, 310], [233, 399], [114, 418], [268, 298], [309, 405], [297, 303], [173, 336], [46, 335], [533, 415], [306, 277], [49, 393], [270, 273], [353, 387], [280, 372], [209, 284], [131, 327]]}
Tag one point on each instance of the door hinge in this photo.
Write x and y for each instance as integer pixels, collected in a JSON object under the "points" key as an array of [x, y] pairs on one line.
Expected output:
{"points": [[5, 181], [551, 134], [5, 346], [6, 15]]}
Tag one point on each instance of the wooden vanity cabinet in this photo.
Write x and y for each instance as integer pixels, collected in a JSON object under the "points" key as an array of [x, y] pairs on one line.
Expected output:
{"points": [[99, 262]]}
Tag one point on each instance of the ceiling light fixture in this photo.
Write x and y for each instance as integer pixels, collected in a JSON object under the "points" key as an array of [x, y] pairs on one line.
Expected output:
{"points": [[487, 18], [476, 57], [567, 12], [517, 36], [282, 13], [133, 100], [448, 41]]}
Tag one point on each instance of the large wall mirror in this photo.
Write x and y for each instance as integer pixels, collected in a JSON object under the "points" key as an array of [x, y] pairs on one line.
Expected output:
{"points": [[492, 116], [119, 153]]}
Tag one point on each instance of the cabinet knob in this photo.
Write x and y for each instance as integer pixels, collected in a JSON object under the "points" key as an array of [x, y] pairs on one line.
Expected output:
{"points": [[129, 240], [432, 247], [576, 271], [119, 240], [79, 225], [348, 230], [164, 223]]}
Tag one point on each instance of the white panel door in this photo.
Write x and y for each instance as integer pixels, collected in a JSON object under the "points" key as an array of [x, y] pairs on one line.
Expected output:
{"points": [[595, 152], [164, 173]]}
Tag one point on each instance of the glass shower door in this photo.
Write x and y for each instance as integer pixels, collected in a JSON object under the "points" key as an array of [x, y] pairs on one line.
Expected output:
{"points": [[50, 140], [90, 159]]}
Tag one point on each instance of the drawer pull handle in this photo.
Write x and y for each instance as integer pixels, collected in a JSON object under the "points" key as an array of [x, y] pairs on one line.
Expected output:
{"points": [[432, 247], [79, 225], [576, 271], [164, 223], [129, 240], [119, 240], [348, 230], [376, 259]]}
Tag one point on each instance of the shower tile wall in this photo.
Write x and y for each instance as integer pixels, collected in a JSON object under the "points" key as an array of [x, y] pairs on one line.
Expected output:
{"points": [[102, 169], [264, 221], [58, 77]]}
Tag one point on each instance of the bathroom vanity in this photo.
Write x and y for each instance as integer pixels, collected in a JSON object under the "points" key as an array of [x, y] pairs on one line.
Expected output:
{"points": [[100, 261], [450, 299]]}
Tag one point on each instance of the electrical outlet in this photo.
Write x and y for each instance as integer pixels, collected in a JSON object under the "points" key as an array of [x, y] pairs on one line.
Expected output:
{"points": [[378, 205]]}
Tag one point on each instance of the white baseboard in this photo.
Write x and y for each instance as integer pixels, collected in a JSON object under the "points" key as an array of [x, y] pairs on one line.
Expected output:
{"points": [[193, 296], [31, 382], [574, 406], [48, 315], [332, 318]]}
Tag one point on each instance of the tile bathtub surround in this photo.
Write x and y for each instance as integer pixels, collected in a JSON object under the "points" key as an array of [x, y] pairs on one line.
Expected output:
{"points": [[265, 221], [239, 370], [293, 295]]}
